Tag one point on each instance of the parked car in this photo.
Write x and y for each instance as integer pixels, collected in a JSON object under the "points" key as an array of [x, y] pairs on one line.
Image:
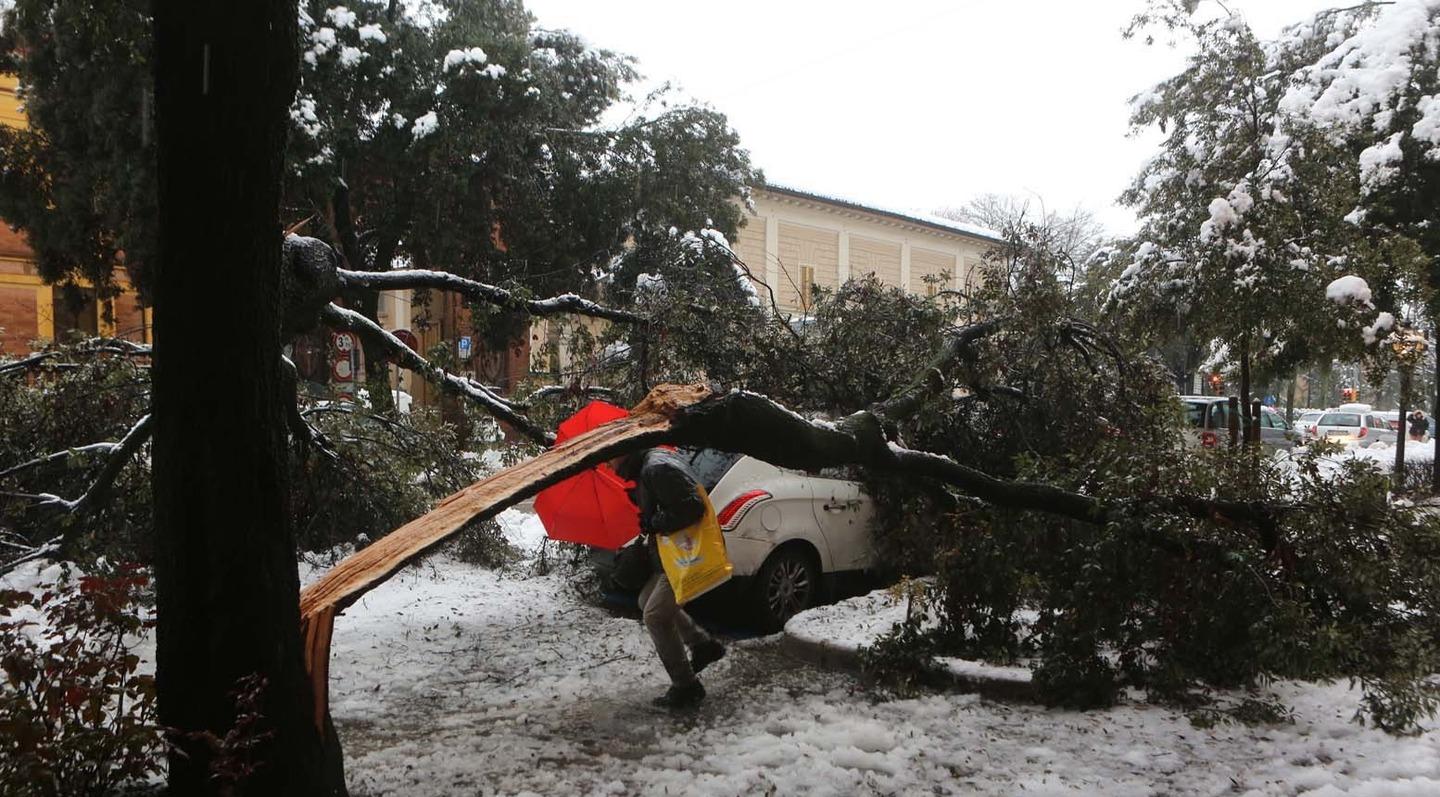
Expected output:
{"points": [[1354, 425], [1208, 419], [1305, 424], [790, 535]]}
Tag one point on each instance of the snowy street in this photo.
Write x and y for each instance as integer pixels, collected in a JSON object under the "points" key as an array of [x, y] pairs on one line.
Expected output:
{"points": [[453, 679]]}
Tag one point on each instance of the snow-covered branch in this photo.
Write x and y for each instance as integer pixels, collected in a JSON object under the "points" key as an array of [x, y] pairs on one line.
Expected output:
{"points": [[80, 452], [551, 391], [566, 304], [118, 456], [487, 399], [26, 363]]}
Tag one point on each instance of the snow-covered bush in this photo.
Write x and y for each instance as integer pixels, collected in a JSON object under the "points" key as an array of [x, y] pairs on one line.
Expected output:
{"points": [[60, 417], [1312, 574], [80, 395]]}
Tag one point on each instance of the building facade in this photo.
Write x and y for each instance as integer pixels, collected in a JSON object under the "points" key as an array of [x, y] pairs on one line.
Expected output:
{"points": [[31, 310], [794, 240]]}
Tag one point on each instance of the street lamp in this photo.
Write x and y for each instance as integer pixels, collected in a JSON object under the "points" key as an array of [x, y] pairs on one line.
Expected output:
{"points": [[1409, 347]]}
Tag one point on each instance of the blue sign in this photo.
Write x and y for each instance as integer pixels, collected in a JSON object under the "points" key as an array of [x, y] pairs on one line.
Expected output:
{"points": [[1271, 401], [465, 347]]}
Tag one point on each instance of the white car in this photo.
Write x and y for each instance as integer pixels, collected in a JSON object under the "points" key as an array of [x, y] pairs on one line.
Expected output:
{"points": [[788, 533], [1354, 425], [1305, 424]]}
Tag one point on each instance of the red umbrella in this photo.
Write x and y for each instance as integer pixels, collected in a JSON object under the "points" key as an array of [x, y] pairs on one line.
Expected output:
{"points": [[590, 507]]}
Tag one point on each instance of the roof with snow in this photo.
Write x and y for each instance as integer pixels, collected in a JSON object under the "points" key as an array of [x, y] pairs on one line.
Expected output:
{"points": [[913, 217]]}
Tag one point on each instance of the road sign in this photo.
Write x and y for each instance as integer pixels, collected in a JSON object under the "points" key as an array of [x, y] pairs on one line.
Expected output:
{"points": [[408, 338], [464, 347], [346, 362]]}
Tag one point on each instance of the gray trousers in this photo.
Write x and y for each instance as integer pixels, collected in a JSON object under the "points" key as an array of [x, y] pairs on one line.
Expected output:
{"points": [[671, 629]]}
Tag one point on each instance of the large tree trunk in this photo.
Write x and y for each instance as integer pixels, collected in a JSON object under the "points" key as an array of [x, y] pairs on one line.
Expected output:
{"points": [[225, 573]]}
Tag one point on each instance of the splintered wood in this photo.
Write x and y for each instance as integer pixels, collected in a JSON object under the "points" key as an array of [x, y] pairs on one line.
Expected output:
{"points": [[366, 569]]}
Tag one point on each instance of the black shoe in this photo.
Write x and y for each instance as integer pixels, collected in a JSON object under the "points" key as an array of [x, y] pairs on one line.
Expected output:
{"points": [[705, 654], [677, 697]]}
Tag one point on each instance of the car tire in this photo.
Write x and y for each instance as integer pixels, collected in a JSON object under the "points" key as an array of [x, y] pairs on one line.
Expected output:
{"points": [[787, 584]]}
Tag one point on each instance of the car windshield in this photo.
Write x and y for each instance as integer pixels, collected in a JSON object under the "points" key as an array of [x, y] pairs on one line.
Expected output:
{"points": [[1340, 419], [710, 466]]}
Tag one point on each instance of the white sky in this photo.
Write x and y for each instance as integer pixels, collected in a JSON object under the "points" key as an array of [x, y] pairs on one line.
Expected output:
{"points": [[913, 103]]}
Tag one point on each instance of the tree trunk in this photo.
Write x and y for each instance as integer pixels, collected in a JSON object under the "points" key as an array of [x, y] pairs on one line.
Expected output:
{"points": [[1398, 475], [1435, 419], [225, 575], [1245, 421], [367, 303]]}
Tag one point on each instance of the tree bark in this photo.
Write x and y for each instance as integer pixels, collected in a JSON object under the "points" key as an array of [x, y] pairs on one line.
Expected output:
{"points": [[225, 575], [1435, 419], [377, 368], [1245, 391], [1398, 475]]}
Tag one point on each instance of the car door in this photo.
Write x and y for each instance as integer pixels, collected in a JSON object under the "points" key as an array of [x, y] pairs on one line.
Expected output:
{"points": [[843, 512], [1273, 430]]}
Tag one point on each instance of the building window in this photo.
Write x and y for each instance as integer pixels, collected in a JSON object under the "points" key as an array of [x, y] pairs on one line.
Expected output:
{"points": [[76, 313], [807, 285]]}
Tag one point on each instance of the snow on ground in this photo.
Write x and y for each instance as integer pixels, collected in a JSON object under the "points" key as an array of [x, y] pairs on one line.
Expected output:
{"points": [[451, 679]]}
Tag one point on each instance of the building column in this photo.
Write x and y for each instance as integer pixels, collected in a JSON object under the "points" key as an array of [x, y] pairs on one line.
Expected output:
{"points": [[843, 268], [772, 253], [44, 312], [905, 265], [958, 277]]}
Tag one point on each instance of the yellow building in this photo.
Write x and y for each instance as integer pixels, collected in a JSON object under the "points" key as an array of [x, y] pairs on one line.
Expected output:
{"points": [[794, 240], [30, 310]]}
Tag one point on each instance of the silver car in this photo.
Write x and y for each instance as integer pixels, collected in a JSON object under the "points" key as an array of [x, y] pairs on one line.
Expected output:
{"points": [[1354, 425], [1208, 419]]}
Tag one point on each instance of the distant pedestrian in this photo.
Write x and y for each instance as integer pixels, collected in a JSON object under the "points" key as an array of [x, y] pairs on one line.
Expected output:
{"points": [[1419, 426]]}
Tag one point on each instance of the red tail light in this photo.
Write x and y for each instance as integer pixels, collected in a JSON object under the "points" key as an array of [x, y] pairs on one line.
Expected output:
{"points": [[734, 511], [1363, 431], [1209, 439]]}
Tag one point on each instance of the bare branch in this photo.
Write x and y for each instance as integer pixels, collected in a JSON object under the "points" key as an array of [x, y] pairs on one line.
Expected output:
{"points": [[490, 401], [26, 363], [566, 304], [119, 458], [60, 456]]}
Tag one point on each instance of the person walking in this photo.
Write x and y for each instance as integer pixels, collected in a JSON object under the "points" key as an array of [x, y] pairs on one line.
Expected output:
{"points": [[668, 495], [1419, 426]]}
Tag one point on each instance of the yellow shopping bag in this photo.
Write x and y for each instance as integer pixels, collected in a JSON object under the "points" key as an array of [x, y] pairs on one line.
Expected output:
{"points": [[694, 557]]}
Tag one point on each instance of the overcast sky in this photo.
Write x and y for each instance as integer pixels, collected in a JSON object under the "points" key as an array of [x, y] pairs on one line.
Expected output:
{"points": [[913, 104]]}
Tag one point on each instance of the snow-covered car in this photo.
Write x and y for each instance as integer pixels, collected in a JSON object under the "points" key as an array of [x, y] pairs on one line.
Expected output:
{"points": [[1208, 423], [1354, 425], [790, 535]]}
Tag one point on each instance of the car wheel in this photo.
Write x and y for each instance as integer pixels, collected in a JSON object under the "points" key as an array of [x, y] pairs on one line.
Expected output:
{"points": [[787, 584]]}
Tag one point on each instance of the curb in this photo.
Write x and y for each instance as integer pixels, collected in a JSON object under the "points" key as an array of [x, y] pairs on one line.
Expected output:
{"points": [[837, 657]]}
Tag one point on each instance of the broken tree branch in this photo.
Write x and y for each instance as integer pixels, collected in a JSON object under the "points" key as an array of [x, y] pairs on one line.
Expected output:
{"points": [[565, 304], [488, 400]]}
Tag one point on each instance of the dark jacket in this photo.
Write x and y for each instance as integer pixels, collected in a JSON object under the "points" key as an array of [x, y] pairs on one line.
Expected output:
{"points": [[665, 492]]}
